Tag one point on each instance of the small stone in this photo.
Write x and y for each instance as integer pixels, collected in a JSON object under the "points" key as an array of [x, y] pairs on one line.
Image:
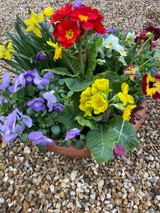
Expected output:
{"points": [[131, 195], [152, 180], [125, 202], [158, 197], [25, 205], [73, 175], [93, 196], [52, 188], [117, 202], [147, 140], [2, 200], [18, 208], [27, 150], [108, 196], [48, 196]]}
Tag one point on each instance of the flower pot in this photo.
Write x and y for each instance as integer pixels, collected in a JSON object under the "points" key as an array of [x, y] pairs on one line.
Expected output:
{"points": [[137, 120]]}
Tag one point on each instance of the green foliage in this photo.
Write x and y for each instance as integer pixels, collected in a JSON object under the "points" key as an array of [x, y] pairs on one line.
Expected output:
{"points": [[77, 85], [101, 141]]}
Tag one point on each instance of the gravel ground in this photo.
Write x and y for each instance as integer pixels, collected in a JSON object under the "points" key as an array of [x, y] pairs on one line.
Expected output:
{"points": [[32, 182]]}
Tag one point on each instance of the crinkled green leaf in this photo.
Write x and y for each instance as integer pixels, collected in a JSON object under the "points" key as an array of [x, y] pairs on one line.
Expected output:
{"points": [[76, 85]]}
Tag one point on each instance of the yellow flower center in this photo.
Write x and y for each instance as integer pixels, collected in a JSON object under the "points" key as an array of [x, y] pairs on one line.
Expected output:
{"points": [[69, 34], [83, 18], [110, 44], [129, 40]]}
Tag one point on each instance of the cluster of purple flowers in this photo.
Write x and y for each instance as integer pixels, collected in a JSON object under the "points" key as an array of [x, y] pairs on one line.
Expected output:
{"points": [[14, 123]]}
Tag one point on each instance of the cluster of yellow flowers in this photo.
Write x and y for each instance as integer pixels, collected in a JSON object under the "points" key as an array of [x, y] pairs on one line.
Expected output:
{"points": [[95, 98], [126, 98]]}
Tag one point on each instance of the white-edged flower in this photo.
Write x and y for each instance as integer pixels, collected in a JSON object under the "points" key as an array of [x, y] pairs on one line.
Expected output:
{"points": [[121, 59], [111, 42], [121, 50], [100, 61], [130, 37]]}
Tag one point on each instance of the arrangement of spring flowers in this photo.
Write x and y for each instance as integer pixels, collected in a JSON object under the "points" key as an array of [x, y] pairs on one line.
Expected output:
{"points": [[72, 76]]}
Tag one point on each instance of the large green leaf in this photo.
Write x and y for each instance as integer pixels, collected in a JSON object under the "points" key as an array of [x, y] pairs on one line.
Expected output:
{"points": [[76, 85], [85, 122], [101, 141], [67, 117], [60, 71]]}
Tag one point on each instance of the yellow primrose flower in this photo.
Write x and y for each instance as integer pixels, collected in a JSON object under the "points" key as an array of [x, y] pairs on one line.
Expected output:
{"points": [[99, 104], [58, 49], [48, 12], [87, 108], [86, 95], [100, 85], [123, 96], [127, 112], [34, 23], [5, 50]]}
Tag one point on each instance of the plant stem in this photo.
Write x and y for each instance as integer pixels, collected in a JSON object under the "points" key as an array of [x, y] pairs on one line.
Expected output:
{"points": [[140, 49], [121, 131], [81, 64], [145, 62]]}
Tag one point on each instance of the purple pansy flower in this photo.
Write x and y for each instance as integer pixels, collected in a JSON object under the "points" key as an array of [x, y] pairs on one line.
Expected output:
{"points": [[40, 82], [19, 80], [25, 121], [9, 137], [48, 75], [29, 76], [78, 3], [10, 122], [37, 104], [51, 99], [118, 150], [111, 30], [39, 138], [40, 57], [6, 81], [72, 133], [3, 100], [58, 107]]}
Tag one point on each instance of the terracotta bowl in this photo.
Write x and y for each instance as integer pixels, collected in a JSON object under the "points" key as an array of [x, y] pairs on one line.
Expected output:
{"points": [[73, 152]]}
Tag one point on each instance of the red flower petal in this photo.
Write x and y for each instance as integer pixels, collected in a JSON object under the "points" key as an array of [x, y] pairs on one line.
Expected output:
{"points": [[144, 84]]}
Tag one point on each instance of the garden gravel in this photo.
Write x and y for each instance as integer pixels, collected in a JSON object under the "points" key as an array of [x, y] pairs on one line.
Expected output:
{"points": [[32, 182]]}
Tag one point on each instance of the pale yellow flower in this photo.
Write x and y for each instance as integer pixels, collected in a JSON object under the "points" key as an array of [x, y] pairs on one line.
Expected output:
{"points": [[127, 112], [48, 12], [124, 96]]}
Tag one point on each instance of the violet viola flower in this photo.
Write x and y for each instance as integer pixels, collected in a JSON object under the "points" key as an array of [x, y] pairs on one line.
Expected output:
{"points": [[39, 138], [29, 76], [72, 133], [48, 75], [9, 138], [24, 120], [40, 82], [19, 80], [111, 30], [118, 150], [3, 100], [40, 57], [37, 104], [58, 107], [51, 99], [6, 81], [78, 3]]}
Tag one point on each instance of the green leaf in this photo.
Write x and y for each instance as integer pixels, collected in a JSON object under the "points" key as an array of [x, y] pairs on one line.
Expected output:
{"points": [[42, 149], [55, 130], [60, 71], [101, 141], [67, 117], [84, 122], [24, 137], [76, 85], [79, 144], [71, 62], [92, 56], [157, 54], [30, 111], [111, 76]]}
